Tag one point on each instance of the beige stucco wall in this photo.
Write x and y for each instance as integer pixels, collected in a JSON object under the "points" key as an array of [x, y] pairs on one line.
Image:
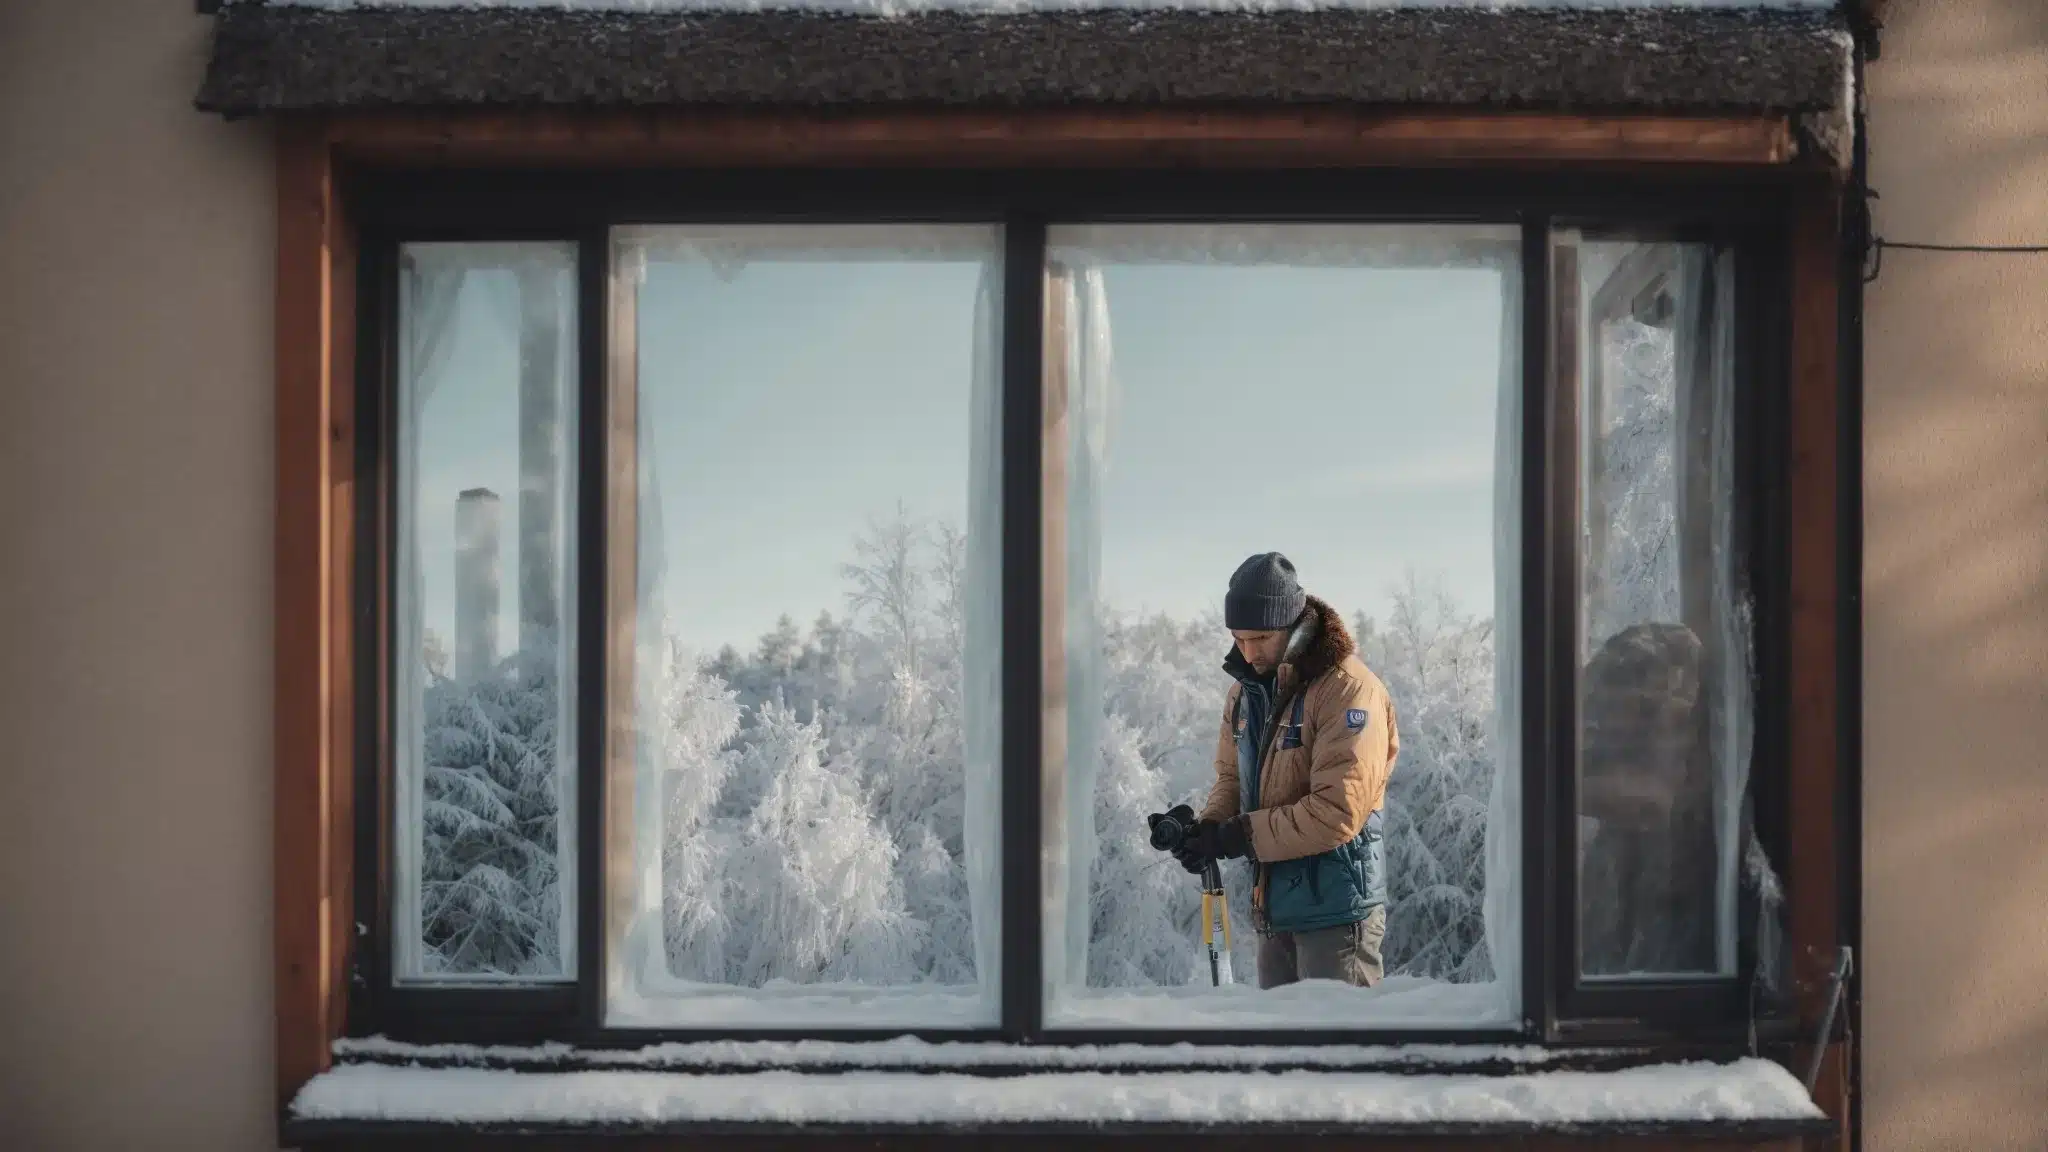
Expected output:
{"points": [[1956, 580], [135, 305]]}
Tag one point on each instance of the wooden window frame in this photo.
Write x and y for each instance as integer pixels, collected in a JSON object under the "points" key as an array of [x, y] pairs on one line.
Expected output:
{"points": [[324, 702]]}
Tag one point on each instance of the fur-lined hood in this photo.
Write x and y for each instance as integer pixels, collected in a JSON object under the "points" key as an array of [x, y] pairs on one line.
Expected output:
{"points": [[1319, 643]]}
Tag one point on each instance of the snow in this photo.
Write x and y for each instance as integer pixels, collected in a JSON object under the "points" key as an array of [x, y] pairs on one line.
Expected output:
{"points": [[900, 7], [1748, 1090], [910, 1052], [666, 1002], [1399, 1001]]}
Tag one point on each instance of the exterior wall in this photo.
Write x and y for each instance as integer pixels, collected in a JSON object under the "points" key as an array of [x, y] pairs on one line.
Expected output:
{"points": [[135, 503], [1955, 1025]]}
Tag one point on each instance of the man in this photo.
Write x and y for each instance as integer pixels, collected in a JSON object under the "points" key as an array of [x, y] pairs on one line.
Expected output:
{"points": [[1308, 742]]}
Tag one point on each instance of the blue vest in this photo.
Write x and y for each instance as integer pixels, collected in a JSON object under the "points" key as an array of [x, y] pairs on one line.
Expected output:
{"points": [[1327, 890]]}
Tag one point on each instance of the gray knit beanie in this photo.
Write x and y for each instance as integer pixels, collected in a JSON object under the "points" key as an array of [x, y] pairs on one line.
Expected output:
{"points": [[1264, 596]]}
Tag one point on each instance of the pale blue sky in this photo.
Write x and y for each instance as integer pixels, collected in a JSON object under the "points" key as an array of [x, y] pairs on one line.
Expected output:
{"points": [[1344, 416]]}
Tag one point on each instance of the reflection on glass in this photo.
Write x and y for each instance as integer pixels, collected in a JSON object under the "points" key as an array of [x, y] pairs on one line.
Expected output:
{"points": [[1346, 395], [1664, 705], [805, 524], [483, 677]]}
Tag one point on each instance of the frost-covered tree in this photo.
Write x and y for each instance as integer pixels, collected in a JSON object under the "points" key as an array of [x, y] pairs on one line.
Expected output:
{"points": [[904, 730], [1437, 663], [825, 820], [489, 897], [1635, 573], [1143, 908], [691, 719], [1163, 685], [809, 872]]}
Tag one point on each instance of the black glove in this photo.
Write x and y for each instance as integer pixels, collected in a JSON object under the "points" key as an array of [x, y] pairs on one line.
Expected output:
{"points": [[1212, 841], [1228, 840]]}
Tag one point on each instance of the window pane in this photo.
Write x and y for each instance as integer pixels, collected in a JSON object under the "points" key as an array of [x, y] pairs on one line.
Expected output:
{"points": [[1348, 396], [1664, 701], [805, 523], [484, 676]]}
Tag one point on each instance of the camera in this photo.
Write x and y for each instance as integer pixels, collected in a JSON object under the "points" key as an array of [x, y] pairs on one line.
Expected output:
{"points": [[1170, 829]]}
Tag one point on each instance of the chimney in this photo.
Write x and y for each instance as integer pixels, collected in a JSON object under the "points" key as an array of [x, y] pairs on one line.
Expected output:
{"points": [[476, 584]]}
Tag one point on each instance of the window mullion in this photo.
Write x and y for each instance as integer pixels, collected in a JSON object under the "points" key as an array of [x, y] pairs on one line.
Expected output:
{"points": [[1563, 328], [593, 643], [1538, 632], [376, 377], [1023, 504]]}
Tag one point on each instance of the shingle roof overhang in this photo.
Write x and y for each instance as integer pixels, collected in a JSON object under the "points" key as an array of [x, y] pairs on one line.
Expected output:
{"points": [[281, 59]]}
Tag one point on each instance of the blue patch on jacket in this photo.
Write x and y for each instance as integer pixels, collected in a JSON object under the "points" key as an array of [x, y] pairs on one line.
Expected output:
{"points": [[1354, 718]]}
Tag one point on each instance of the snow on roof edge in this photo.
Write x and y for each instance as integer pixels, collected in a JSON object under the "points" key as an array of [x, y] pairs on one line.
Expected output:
{"points": [[1747, 1091], [912, 7]]}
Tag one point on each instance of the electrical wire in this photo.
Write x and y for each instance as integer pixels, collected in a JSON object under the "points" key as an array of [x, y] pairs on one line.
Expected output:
{"points": [[1919, 247], [1878, 244]]}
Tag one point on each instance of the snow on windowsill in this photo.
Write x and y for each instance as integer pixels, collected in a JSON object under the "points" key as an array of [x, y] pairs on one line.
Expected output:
{"points": [[1747, 1091], [912, 1053]]}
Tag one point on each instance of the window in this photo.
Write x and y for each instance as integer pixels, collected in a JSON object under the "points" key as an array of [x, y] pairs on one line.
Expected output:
{"points": [[1674, 885], [797, 598], [1344, 392], [483, 696], [1665, 718], [807, 564]]}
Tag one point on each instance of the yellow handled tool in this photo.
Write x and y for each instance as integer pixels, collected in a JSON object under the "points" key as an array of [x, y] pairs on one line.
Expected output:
{"points": [[1216, 924]]}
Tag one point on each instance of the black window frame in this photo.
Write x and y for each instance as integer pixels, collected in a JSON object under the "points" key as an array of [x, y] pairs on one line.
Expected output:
{"points": [[1745, 208]]}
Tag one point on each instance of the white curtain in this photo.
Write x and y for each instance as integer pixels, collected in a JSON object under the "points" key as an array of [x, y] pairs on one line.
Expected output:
{"points": [[981, 694], [1503, 911], [641, 960], [429, 287], [1709, 281], [1088, 370]]}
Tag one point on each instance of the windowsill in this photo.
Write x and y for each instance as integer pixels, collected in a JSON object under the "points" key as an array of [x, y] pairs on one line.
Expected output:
{"points": [[701, 1090]]}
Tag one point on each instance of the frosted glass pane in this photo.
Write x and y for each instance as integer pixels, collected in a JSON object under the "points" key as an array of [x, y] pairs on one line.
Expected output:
{"points": [[483, 693], [1664, 649], [808, 635], [1345, 395]]}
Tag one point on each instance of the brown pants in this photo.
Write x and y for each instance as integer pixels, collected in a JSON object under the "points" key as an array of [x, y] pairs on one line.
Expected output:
{"points": [[1348, 952]]}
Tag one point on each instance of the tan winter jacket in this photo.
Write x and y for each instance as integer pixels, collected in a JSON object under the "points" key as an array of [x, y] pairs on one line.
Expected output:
{"points": [[1315, 797]]}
